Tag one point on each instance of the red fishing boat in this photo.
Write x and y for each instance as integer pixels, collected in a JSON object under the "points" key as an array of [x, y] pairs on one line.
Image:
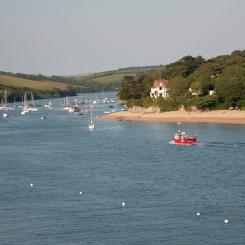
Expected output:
{"points": [[182, 138]]}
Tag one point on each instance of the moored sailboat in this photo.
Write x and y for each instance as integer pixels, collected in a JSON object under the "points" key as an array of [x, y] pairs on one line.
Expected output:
{"points": [[5, 105], [91, 124], [25, 107]]}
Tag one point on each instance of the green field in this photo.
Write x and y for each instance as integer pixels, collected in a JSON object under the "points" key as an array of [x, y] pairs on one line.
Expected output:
{"points": [[115, 76], [54, 86], [12, 81]]}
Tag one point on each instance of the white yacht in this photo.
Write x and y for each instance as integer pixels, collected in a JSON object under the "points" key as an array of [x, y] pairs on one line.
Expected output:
{"points": [[91, 124], [32, 106], [5, 105], [49, 105], [25, 107]]}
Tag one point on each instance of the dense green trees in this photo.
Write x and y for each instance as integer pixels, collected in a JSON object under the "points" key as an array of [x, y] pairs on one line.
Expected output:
{"points": [[132, 88], [230, 86], [178, 86], [224, 74]]}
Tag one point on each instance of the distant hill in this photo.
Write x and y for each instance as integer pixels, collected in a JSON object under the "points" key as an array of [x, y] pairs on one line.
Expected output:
{"points": [[56, 86], [14, 82], [111, 80], [17, 86]]}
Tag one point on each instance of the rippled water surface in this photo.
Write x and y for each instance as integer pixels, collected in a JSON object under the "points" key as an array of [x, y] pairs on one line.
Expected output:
{"points": [[163, 185]]}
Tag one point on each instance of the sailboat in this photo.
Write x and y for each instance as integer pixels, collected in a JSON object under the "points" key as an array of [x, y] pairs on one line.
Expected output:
{"points": [[32, 106], [14, 103], [48, 105], [1, 107], [25, 107], [5, 104], [91, 125], [66, 104]]}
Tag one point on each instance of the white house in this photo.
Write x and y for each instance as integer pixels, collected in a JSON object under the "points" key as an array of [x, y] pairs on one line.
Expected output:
{"points": [[159, 89], [195, 93]]}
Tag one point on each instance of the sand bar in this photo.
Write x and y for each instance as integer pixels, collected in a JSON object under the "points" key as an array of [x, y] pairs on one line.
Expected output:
{"points": [[218, 116]]}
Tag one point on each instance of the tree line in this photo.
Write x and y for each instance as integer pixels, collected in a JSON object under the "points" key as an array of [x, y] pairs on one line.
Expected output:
{"points": [[16, 93], [78, 85], [225, 75]]}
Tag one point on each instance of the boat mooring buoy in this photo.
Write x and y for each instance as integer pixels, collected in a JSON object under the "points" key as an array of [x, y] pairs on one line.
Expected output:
{"points": [[226, 221], [123, 204]]}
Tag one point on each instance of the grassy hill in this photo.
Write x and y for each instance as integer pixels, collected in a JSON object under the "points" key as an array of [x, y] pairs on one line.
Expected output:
{"points": [[17, 86], [14, 82], [113, 77], [57, 86]]}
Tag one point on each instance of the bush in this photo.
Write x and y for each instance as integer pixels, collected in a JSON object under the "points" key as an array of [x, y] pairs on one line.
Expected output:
{"points": [[169, 104], [205, 103], [134, 102]]}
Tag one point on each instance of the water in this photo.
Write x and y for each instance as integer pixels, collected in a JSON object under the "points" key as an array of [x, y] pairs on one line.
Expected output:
{"points": [[163, 185]]}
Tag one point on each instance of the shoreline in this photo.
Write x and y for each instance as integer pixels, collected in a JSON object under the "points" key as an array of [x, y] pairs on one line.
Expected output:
{"points": [[217, 116]]}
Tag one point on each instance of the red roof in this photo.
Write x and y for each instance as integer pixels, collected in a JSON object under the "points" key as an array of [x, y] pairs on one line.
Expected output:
{"points": [[160, 83]]}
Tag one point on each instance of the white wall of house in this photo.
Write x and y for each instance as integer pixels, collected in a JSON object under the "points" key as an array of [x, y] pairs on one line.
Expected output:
{"points": [[159, 89], [157, 92]]}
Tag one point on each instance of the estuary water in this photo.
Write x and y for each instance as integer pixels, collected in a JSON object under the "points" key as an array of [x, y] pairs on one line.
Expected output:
{"points": [[63, 184]]}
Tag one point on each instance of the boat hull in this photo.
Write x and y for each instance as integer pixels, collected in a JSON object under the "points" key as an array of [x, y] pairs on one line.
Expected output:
{"points": [[187, 142]]}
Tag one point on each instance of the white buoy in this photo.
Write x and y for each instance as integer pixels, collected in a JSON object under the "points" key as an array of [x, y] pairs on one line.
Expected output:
{"points": [[198, 214], [31, 185], [226, 221], [80, 192], [123, 204]]}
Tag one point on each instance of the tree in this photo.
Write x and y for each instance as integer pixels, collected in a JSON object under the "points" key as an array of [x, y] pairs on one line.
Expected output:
{"points": [[131, 88], [230, 86], [178, 86]]}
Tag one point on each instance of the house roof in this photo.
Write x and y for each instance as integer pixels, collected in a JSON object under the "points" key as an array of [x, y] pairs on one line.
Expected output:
{"points": [[160, 83]]}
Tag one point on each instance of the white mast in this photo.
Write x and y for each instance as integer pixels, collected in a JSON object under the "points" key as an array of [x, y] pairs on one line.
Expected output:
{"points": [[32, 99], [5, 105], [5, 99], [91, 116]]}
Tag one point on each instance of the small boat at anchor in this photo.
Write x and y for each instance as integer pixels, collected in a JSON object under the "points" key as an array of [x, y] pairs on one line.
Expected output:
{"points": [[182, 138], [48, 105], [5, 105], [91, 124]]}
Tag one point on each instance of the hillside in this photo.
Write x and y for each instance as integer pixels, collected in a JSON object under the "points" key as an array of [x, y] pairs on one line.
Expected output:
{"points": [[17, 86], [13, 81], [56, 86], [109, 80], [115, 76], [190, 81]]}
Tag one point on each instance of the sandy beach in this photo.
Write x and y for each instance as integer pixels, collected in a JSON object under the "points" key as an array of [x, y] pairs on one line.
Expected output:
{"points": [[218, 116]]}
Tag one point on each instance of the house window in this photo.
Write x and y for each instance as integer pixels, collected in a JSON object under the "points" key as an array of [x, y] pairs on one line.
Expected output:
{"points": [[160, 88]]}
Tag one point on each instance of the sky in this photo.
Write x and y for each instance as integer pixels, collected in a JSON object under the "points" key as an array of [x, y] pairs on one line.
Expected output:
{"points": [[68, 37]]}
